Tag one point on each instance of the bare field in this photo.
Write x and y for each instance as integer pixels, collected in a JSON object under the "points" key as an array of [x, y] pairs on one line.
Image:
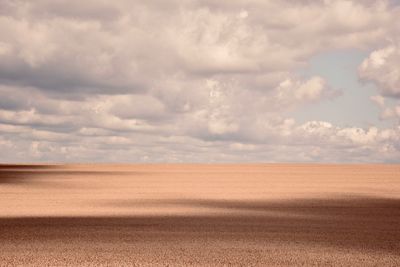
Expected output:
{"points": [[200, 215]]}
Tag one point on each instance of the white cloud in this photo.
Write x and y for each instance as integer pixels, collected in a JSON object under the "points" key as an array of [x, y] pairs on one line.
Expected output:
{"points": [[387, 111], [378, 100], [382, 67], [191, 80]]}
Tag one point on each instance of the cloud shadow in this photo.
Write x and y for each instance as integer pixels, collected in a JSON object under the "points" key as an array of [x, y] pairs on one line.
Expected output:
{"points": [[358, 223], [20, 173]]}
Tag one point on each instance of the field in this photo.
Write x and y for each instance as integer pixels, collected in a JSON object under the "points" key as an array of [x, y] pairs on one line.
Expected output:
{"points": [[200, 215]]}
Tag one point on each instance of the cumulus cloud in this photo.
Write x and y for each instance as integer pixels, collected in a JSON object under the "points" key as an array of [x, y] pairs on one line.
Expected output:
{"points": [[387, 111], [382, 67], [126, 45], [192, 80]]}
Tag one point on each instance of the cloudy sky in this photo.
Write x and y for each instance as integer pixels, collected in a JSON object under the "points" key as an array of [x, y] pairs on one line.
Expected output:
{"points": [[200, 81]]}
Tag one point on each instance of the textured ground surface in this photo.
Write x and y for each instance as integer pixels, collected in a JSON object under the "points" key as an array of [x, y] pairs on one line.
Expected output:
{"points": [[202, 215]]}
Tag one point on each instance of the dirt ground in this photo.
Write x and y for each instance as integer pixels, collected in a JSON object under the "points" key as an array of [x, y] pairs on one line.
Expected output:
{"points": [[200, 215]]}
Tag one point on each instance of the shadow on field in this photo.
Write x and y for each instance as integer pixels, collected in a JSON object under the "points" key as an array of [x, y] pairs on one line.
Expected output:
{"points": [[26, 166], [348, 223], [19, 173]]}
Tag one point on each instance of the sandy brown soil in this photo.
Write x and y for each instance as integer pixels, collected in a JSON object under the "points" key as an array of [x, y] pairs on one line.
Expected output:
{"points": [[202, 215]]}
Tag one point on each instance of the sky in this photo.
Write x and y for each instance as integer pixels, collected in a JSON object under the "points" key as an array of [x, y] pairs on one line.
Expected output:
{"points": [[200, 81]]}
